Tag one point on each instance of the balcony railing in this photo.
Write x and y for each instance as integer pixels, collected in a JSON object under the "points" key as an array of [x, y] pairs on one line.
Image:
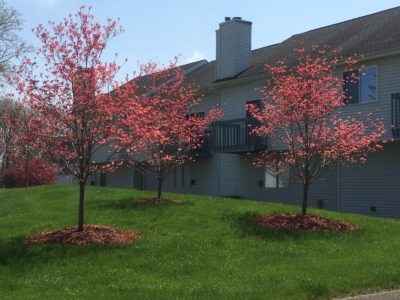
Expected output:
{"points": [[396, 115], [235, 136], [229, 136]]}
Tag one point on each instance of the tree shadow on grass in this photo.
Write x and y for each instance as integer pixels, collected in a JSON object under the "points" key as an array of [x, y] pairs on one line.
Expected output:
{"points": [[133, 204], [244, 225], [15, 252]]}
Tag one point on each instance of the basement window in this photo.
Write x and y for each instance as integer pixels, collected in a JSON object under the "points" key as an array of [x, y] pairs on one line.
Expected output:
{"points": [[275, 179]]}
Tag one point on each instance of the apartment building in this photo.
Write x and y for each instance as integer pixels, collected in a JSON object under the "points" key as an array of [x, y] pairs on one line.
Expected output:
{"points": [[223, 167]]}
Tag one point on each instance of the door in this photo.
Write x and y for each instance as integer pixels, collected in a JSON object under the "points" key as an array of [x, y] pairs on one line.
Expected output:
{"points": [[138, 180]]}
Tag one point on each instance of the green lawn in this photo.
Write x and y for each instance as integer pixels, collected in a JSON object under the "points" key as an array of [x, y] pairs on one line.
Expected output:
{"points": [[206, 248]]}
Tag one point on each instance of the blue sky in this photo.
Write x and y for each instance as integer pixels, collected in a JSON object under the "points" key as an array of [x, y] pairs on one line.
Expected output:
{"points": [[159, 30]]}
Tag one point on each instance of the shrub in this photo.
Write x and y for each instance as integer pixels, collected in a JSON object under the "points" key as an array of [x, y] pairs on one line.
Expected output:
{"points": [[40, 172]]}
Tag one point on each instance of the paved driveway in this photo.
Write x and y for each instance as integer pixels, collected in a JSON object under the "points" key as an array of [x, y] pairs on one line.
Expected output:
{"points": [[389, 295]]}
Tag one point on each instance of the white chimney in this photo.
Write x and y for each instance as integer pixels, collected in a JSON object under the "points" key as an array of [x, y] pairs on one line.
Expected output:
{"points": [[233, 47]]}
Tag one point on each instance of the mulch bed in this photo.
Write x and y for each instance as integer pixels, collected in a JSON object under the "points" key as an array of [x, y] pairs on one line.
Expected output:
{"points": [[91, 234], [157, 201], [295, 221]]}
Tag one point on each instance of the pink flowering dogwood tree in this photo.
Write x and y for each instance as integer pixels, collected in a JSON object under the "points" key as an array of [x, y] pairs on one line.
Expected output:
{"points": [[39, 171], [18, 137], [301, 112], [70, 95], [157, 125]]}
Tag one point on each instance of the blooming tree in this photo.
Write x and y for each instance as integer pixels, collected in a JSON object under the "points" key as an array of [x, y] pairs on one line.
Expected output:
{"points": [[39, 171], [301, 112], [18, 132], [70, 95], [158, 124]]}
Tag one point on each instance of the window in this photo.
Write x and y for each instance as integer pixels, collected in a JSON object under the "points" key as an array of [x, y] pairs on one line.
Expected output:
{"points": [[364, 89], [368, 84], [256, 103], [199, 115], [275, 180]]}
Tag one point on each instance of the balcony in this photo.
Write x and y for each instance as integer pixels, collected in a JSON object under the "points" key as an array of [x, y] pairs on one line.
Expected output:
{"points": [[234, 136], [396, 115]]}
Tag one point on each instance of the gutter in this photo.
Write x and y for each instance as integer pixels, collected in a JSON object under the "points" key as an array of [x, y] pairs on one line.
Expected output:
{"points": [[261, 76]]}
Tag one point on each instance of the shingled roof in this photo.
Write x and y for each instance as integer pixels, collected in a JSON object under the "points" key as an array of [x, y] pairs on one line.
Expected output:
{"points": [[187, 69], [369, 35]]}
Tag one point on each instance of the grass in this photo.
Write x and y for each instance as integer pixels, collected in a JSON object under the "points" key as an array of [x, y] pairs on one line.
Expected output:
{"points": [[207, 248]]}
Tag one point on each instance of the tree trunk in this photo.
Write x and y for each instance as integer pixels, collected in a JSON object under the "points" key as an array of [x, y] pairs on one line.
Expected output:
{"points": [[82, 186], [159, 188], [27, 169], [1, 174], [305, 198]]}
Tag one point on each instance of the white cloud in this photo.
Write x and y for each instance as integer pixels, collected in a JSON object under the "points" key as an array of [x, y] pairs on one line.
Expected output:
{"points": [[196, 55]]}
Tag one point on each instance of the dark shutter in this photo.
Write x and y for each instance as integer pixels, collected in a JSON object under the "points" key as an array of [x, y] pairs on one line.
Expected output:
{"points": [[396, 115], [351, 89]]}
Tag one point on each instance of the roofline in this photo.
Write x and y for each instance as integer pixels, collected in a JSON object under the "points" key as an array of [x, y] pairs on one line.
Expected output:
{"points": [[377, 55], [261, 76], [196, 65], [346, 21]]}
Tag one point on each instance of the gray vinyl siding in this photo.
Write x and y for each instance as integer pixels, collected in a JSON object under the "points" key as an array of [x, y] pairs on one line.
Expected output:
{"points": [[252, 187], [105, 153], [229, 174], [375, 183], [388, 82], [209, 102], [204, 172], [232, 100], [362, 186], [122, 177]]}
